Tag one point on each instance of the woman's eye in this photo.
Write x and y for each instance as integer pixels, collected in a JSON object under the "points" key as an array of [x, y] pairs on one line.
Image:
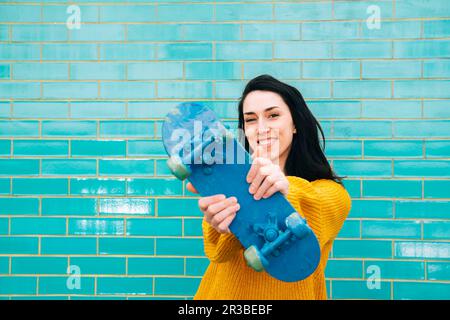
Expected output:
{"points": [[249, 120], [274, 115]]}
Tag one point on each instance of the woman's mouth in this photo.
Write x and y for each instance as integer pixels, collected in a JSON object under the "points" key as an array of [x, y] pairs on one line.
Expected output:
{"points": [[266, 142]]}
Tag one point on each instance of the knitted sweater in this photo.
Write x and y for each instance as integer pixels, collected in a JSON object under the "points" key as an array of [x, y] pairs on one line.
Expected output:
{"points": [[324, 203]]}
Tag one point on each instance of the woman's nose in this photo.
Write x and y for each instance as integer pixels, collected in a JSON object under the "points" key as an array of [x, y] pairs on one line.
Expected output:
{"points": [[262, 126]]}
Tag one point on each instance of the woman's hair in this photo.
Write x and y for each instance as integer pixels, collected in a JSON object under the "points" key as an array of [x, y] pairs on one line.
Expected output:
{"points": [[306, 158]]}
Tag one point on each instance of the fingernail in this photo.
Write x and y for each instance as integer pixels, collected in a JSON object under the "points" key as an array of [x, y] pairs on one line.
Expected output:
{"points": [[238, 207]]}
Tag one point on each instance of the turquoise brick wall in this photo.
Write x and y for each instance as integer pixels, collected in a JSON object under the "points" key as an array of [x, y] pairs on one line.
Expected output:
{"points": [[83, 182]]}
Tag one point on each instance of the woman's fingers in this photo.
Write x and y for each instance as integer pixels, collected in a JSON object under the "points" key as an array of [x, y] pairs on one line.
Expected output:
{"points": [[204, 202], [224, 225], [224, 216], [191, 188], [267, 183]]}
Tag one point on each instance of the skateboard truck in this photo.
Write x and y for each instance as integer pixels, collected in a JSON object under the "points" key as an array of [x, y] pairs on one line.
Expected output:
{"points": [[275, 239]]}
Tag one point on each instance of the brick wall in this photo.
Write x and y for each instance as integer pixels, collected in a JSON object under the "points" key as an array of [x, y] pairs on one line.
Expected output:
{"points": [[83, 182]]}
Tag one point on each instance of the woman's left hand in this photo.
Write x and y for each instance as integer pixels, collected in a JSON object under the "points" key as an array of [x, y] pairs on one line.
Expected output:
{"points": [[265, 177]]}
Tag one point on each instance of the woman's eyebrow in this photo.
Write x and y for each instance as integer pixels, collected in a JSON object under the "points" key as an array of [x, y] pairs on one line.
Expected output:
{"points": [[267, 109]]}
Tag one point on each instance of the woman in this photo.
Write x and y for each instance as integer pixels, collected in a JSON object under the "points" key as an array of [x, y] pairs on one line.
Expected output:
{"points": [[281, 133]]}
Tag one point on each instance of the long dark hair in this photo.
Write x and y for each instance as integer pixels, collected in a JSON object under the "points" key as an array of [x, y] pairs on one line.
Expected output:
{"points": [[306, 158]]}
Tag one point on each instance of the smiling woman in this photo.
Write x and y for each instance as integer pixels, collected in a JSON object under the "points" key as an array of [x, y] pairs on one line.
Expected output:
{"points": [[282, 136]]}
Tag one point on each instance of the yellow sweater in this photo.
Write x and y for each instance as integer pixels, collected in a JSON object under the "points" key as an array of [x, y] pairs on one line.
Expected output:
{"points": [[324, 203]]}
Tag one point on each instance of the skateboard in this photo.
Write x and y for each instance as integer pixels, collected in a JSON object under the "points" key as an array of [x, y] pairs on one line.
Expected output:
{"points": [[276, 238]]}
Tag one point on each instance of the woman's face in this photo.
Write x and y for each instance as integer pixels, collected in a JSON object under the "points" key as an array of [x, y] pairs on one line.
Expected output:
{"points": [[268, 125]]}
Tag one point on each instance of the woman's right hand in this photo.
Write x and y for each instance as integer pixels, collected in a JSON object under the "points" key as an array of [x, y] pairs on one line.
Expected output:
{"points": [[218, 210]]}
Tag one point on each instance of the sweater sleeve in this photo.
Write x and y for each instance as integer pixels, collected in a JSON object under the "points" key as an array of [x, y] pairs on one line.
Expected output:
{"points": [[219, 247], [324, 204]]}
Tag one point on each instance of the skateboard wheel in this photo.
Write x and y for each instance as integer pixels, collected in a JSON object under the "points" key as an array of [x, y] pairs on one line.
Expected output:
{"points": [[177, 168], [253, 257], [297, 225]]}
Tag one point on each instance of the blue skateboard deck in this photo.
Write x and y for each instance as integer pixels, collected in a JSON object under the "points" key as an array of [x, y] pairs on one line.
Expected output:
{"points": [[277, 240]]}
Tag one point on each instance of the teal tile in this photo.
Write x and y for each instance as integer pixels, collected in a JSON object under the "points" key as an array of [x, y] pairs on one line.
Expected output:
{"points": [[43, 297], [69, 206], [301, 50], [362, 89], [42, 148], [185, 51], [18, 245], [19, 13], [98, 32], [17, 285], [436, 109], [331, 70], [185, 90], [47, 109], [81, 227], [281, 70], [422, 49], [61, 285], [436, 69], [313, 88], [209, 32], [237, 51], [19, 167], [192, 227], [329, 30], [73, 90], [392, 188], [97, 109], [126, 128], [212, 70], [389, 229], [40, 71], [177, 286], [127, 51], [126, 246], [4, 265], [129, 13], [362, 249], [68, 167], [155, 266], [362, 49], [154, 187], [4, 33], [272, 31], [436, 230], [19, 128], [243, 12], [421, 88], [344, 269], [129, 206], [146, 148], [438, 271], [421, 291], [23, 51], [68, 245], [38, 265], [392, 29], [19, 90], [97, 186], [361, 128], [58, 13], [96, 298], [4, 228], [421, 250], [179, 247], [19, 206], [5, 71], [436, 28], [437, 149], [229, 89], [5, 147], [422, 209], [393, 148], [342, 148], [351, 10], [38, 226], [363, 168], [196, 266], [98, 148], [179, 208], [436, 189], [99, 265], [391, 109], [343, 289], [69, 128], [154, 227], [97, 71], [155, 32], [391, 269], [126, 167], [176, 12], [422, 9], [38, 33], [391, 69], [5, 186], [350, 229], [125, 285], [353, 187], [69, 51], [425, 168], [371, 209], [303, 11], [155, 71], [5, 109]]}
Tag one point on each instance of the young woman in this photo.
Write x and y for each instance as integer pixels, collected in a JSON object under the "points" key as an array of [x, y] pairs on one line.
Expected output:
{"points": [[281, 134]]}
